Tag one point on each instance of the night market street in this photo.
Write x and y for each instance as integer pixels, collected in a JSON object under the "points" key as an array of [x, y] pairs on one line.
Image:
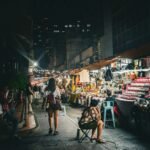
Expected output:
{"points": [[92, 54], [38, 138]]}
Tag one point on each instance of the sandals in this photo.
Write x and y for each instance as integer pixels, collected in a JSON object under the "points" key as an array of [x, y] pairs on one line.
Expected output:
{"points": [[93, 139], [100, 141]]}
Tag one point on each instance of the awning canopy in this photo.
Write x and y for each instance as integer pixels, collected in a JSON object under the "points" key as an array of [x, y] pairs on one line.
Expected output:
{"points": [[141, 51], [94, 66], [101, 63], [75, 71]]}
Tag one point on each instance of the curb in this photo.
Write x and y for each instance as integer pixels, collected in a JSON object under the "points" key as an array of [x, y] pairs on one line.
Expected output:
{"points": [[29, 131]]}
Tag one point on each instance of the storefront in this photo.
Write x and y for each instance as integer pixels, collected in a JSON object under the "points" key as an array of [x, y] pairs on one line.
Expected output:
{"points": [[129, 82], [89, 82], [134, 103]]}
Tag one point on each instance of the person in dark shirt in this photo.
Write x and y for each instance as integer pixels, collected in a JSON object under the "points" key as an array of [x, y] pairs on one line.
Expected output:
{"points": [[36, 91], [109, 96], [9, 111]]}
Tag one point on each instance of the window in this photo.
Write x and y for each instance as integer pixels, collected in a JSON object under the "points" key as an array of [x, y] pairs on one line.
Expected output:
{"points": [[56, 31], [88, 25], [78, 25], [66, 26], [83, 30]]}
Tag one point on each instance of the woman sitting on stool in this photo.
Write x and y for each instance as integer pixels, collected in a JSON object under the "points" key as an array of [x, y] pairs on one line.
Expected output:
{"points": [[91, 116]]}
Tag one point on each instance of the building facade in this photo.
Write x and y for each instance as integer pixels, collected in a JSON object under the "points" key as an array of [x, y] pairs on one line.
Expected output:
{"points": [[131, 24]]}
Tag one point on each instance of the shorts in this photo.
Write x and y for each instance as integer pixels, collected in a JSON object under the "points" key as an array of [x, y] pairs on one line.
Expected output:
{"points": [[89, 125]]}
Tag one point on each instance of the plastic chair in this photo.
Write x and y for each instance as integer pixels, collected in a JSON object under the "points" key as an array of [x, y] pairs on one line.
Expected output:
{"points": [[109, 105], [85, 129]]}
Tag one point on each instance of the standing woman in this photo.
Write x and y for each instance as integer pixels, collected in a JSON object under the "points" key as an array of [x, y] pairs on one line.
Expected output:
{"points": [[53, 100]]}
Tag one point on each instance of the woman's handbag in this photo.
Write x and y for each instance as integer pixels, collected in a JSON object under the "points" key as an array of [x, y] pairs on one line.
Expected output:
{"points": [[54, 103], [57, 105]]}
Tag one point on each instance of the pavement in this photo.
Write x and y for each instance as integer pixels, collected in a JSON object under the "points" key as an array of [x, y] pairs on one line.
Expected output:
{"points": [[35, 136]]}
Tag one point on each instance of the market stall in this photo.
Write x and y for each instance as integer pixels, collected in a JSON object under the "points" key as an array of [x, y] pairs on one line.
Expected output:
{"points": [[133, 93], [83, 88], [128, 80], [133, 100]]}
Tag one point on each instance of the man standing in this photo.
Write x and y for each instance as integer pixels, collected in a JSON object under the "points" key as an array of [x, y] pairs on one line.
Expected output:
{"points": [[30, 93]]}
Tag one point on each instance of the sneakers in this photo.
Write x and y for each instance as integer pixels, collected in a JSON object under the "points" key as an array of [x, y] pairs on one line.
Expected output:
{"points": [[50, 131], [56, 132]]}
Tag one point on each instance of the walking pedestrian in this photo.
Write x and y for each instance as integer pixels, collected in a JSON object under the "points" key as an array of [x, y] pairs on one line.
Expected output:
{"points": [[53, 101]]}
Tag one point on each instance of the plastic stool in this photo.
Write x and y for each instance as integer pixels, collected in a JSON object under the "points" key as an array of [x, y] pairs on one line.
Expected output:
{"points": [[108, 105], [63, 109]]}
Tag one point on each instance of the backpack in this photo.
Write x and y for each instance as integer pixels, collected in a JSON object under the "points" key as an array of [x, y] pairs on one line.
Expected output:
{"points": [[53, 102], [50, 98]]}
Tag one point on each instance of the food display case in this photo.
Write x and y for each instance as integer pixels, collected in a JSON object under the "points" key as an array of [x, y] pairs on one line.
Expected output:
{"points": [[135, 91]]}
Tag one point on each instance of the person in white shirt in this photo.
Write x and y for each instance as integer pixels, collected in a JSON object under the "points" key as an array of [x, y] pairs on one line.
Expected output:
{"points": [[53, 101], [44, 95]]}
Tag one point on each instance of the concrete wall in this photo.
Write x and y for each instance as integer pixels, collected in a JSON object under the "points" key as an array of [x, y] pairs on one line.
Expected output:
{"points": [[75, 45], [105, 45]]}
